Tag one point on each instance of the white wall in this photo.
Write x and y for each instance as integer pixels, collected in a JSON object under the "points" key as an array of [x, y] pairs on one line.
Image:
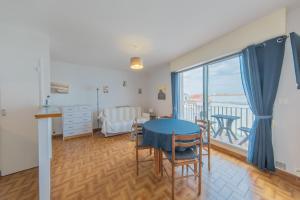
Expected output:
{"points": [[21, 52], [257, 31], [157, 78], [84, 80], [286, 131]]}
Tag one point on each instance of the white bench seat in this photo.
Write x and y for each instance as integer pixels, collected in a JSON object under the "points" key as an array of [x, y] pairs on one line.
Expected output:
{"points": [[120, 119]]}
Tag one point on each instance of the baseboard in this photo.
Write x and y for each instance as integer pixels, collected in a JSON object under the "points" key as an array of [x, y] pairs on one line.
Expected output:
{"points": [[20, 171], [76, 136], [228, 152], [95, 130], [291, 178], [116, 134], [57, 135]]}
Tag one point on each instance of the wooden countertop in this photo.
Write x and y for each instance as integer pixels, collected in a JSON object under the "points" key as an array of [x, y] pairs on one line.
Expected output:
{"points": [[48, 112]]}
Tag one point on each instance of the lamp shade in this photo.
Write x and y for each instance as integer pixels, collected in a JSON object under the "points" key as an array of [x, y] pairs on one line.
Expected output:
{"points": [[136, 63]]}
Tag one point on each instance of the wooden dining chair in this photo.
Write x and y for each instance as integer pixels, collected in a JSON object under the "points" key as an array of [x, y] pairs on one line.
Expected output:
{"points": [[137, 129], [166, 116], [205, 130], [191, 155]]}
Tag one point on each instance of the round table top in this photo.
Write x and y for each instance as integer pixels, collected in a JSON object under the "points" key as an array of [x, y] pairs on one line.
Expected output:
{"points": [[158, 133], [167, 126]]}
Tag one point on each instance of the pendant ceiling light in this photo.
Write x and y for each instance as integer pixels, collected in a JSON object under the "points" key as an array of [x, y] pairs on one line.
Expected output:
{"points": [[136, 63]]}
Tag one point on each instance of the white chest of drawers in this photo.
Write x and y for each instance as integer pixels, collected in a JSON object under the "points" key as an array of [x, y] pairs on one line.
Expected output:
{"points": [[77, 120]]}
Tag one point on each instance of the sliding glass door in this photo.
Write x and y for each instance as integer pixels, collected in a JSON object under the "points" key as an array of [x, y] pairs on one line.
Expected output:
{"points": [[192, 94], [214, 91]]}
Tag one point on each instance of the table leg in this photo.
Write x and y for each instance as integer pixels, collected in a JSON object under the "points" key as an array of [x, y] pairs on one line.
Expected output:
{"points": [[228, 135], [161, 162], [220, 129], [157, 160], [219, 132], [234, 136], [229, 128], [213, 130]]}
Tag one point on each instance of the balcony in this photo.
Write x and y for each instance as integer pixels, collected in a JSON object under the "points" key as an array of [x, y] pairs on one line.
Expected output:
{"points": [[223, 116]]}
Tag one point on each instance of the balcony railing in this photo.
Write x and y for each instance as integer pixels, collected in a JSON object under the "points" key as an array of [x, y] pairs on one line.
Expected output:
{"points": [[243, 112]]}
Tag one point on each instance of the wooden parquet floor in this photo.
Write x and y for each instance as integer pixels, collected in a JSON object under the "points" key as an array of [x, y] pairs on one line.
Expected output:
{"points": [[104, 168]]}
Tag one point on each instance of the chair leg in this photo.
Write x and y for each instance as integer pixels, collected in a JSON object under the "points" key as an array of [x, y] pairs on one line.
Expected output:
{"points": [[173, 181], [195, 170], [150, 151], [199, 175], [200, 167], [208, 158], [137, 161], [161, 164], [182, 169]]}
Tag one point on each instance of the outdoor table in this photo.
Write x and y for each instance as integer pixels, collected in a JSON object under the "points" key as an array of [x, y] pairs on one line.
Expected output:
{"points": [[225, 123], [158, 134]]}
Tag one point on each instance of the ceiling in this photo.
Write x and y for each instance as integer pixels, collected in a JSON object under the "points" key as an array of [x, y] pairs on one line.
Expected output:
{"points": [[106, 33]]}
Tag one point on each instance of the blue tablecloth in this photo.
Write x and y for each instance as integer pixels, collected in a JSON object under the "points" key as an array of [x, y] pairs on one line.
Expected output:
{"points": [[158, 133]]}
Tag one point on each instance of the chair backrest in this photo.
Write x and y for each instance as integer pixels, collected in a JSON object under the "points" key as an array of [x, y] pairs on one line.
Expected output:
{"points": [[204, 126], [138, 130], [187, 141], [166, 117]]}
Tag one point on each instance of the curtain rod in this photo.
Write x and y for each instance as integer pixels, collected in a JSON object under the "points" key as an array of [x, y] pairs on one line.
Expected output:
{"points": [[278, 37]]}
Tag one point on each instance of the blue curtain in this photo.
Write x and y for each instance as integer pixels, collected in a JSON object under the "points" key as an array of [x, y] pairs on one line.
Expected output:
{"points": [[175, 94], [295, 42], [260, 70]]}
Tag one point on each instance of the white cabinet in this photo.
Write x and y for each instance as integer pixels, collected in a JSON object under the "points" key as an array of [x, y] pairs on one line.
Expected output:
{"points": [[77, 120]]}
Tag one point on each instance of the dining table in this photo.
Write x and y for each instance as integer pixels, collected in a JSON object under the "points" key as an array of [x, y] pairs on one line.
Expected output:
{"points": [[158, 134]]}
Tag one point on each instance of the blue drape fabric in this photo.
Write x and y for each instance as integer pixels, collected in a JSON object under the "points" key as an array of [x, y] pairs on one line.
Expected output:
{"points": [[260, 70], [295, 43], [175, 84]]}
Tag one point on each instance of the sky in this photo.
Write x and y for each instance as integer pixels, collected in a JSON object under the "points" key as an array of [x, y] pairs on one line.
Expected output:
{"points": [[224, 77]]}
